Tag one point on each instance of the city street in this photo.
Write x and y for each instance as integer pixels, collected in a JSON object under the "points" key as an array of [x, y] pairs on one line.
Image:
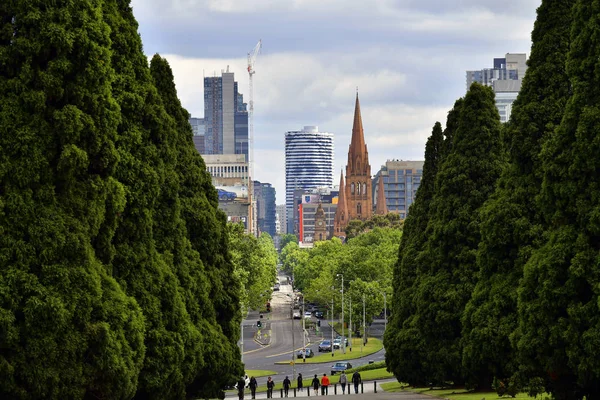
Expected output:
{"points": [[286, 340]]}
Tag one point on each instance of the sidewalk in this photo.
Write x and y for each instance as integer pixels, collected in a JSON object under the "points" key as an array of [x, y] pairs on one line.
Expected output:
{"points": [[370, 389]]}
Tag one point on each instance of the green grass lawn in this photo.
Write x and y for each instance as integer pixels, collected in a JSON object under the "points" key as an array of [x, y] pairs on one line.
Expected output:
{"points": [[452, 394], [257, 373], [373, 346]]}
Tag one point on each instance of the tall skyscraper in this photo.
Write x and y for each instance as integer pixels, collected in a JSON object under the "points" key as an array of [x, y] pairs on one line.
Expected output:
{"points": [[505, 78], [264, 195], [308, 164], [198, 130], [225, 116], [395, 185], [356, 196], [281, 223]]}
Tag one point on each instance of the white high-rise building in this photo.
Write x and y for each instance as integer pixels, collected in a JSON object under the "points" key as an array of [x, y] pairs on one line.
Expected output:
{"points": [[505, 78], [308, 164]]}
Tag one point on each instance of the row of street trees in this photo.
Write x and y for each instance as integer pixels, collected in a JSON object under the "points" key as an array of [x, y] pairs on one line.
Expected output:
{"points": [[497, 275], [365, 262], [116, 279]]}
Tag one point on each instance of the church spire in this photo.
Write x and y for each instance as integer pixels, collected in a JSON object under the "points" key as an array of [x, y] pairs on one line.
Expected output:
{"points": [[381, 208], [358, 156]]}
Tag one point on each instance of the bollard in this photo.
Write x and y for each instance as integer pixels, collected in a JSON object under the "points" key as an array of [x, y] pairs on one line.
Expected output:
{"points": [[308, 391], [281, 393], [294, 392], [375, 386], [335, 388], [362, 388]]}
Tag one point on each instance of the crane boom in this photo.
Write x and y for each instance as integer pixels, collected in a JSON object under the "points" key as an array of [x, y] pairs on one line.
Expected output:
{"points": [[251, 60]]}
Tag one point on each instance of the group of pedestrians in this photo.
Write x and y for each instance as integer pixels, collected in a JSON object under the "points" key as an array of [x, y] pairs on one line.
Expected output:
{"points": [[315, 384], [324, 383]]}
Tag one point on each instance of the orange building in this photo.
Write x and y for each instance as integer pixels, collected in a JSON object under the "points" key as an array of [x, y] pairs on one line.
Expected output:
{"points": [[355, 199]]}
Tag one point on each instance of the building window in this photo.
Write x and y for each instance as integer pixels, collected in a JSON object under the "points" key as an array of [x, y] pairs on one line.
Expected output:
{"points": [[358, 209], [364, 189], [358, 188], [352, 188]]}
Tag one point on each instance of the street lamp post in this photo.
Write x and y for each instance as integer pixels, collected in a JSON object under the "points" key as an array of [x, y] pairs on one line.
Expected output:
{"points": [[303, 333], [350, 325], [332, 350], [364, 324], [343, 335]]}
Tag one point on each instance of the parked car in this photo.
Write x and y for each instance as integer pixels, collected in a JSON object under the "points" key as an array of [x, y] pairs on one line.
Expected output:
{"points": [[337, 343], [307, 315], [340, 366], [276, 287], [308, 352], [296, 314], [345, 339], [319, 314], [325, 345]]}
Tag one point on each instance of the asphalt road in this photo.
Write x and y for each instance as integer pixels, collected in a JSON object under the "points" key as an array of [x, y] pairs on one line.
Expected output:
{"points": [[287, 338]]}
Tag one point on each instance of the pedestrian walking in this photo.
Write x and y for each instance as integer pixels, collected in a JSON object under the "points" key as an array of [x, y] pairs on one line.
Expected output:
{"points": [[356, 380], [253, 384], [324, 385], [300, 383], [286, 385], [240, 387], [270, 386], [343, 381], [315, 385]]}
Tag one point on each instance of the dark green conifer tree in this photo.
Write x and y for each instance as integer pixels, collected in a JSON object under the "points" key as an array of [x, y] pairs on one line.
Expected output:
{"points": [[445, 279], [67, 329], [511, 226], [405, 357], [559, 316], [204, 224], [150, 235]]}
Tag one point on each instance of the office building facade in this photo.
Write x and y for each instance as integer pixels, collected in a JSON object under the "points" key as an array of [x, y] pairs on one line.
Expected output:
{"points": [[308, 164], [400, 180], [505, 78], [199, 134], [225, 116], [264, 197], [281, 223]]}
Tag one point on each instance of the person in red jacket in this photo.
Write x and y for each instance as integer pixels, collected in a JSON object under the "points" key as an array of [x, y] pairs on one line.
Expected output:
{"points": [[324, 384]]}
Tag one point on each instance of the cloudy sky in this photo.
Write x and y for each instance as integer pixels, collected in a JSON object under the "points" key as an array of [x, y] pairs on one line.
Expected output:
{"points": [[407, 57]]}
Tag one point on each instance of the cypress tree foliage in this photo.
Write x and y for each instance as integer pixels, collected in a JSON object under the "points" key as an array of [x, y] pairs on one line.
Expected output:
{"points": [[511, 226], [405, 356], [212, 293], [446, 279], [559, 319], [150, 257], [402, 356], [67, 330]]}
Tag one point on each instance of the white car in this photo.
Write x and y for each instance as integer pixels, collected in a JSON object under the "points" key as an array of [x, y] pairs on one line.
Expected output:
{"points": [[307, 315], [296, 314]]}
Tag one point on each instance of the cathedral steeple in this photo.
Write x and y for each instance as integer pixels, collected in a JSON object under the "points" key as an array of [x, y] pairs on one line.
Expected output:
{"points": [[358, 156]]}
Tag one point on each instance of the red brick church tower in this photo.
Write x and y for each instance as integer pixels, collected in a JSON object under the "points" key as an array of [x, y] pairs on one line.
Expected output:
{"points": [[356, 199]]}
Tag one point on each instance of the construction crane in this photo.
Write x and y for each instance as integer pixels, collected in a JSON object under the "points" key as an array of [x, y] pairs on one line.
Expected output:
{"points": [[251, 60]]}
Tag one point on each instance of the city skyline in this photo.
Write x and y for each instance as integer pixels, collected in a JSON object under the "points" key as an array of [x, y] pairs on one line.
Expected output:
{"points": [[407, 58]]}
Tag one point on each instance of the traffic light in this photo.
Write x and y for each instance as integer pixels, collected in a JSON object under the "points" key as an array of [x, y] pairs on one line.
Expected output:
{"points": [[259, 324]]}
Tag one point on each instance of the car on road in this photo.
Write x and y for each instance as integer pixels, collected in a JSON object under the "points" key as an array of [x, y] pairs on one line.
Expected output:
{"points": [[308, 352], [337, 343], [276, 287], [325, 345], [307, 315], [340, 338], [340, 366], [319, 314], [296, 314]]}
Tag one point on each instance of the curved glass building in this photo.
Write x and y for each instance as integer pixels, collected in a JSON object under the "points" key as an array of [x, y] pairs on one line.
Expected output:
{"points": [[308, 164]]}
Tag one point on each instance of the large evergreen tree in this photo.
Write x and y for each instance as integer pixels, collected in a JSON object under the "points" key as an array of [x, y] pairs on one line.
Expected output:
{"points": [[445, 280], [511, 226], [199, 245], [67, 330], [559, 294], [404, 357]]}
